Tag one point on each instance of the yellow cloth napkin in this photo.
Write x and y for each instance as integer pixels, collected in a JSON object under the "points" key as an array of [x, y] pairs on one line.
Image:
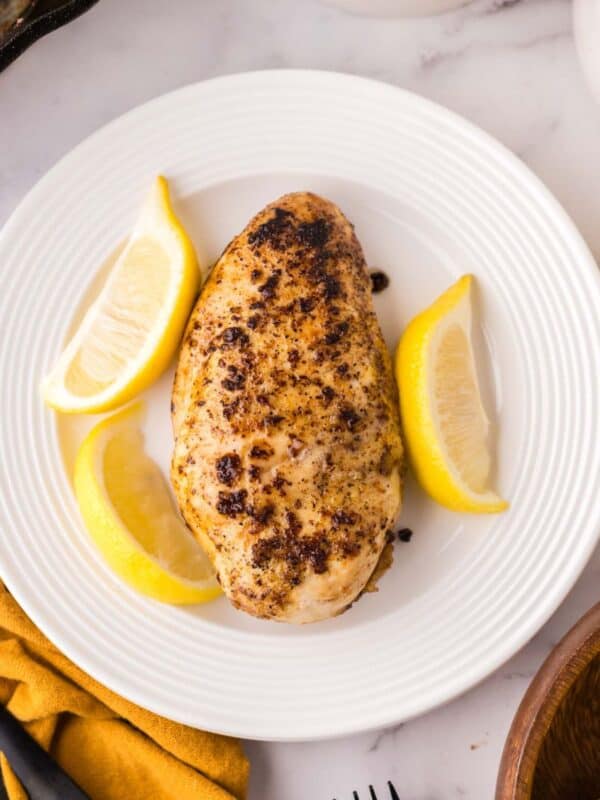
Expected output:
{"points": [[112, 748]]}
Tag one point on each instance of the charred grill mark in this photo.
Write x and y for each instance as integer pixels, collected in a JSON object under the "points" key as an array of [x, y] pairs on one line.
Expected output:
{"points": [[261, 451], [349, 418], [269, 287], [331, 287], [235, 335], [230, 409], [289, 308], [295, 551], [349, 546], [313, 234], [307, 304], [254, 472], [315, 550], [293, 357], [341, 517], [261, 516], [262, 551], [236, 379], [230, 504], [279, 483], [327, 393], [274, 232], [294, 526], [337, 332], [229, 468]]}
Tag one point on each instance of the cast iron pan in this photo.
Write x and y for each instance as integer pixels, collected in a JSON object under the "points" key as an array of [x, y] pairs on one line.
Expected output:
{"points": [[33, 19]]}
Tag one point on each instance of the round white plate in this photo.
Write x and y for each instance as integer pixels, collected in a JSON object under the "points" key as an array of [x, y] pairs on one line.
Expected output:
{"points": [[432, 197]]}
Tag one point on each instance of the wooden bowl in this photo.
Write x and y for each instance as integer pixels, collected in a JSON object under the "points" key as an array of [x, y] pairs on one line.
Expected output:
{"points": [[553, 747]]}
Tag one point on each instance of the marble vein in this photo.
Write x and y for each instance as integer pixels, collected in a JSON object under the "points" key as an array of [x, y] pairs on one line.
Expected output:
{"points": [[384, 735]]}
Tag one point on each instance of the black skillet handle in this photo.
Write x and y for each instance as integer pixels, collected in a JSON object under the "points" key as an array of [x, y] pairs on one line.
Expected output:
{"points": [[40, 774]]}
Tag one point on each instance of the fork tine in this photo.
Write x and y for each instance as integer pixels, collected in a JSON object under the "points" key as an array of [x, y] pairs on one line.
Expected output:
{"points": [[393, 792], [373, 796]]}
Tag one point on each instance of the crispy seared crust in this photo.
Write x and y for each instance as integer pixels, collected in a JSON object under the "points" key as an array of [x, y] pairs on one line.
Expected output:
{"points": [[288, 453]]}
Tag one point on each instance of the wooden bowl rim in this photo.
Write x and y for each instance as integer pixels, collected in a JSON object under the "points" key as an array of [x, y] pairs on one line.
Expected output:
{"points": [[538, 706]]}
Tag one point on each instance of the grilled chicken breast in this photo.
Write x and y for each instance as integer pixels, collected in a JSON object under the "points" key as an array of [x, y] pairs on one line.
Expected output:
{"points": [[288, 455]]}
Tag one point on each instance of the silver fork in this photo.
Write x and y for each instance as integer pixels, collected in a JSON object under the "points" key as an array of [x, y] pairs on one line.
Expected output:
{"points": [[373, 796]]}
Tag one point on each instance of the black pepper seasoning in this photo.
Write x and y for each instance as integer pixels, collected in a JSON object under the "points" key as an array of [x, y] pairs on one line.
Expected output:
{"points": [[405, 535], [379, 281]]}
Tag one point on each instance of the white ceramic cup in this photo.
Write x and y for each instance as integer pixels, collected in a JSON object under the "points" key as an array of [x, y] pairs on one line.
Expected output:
{"points": [[397, 8]]}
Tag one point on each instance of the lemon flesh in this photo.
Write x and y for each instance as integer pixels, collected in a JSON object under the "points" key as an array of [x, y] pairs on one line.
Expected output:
{"points": [[130, 333], [445, 425], [128, 511]]}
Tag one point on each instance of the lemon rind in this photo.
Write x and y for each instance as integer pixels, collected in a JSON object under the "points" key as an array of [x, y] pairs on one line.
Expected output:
{"points": [[118, 546], [431, 464], [167, 330]]}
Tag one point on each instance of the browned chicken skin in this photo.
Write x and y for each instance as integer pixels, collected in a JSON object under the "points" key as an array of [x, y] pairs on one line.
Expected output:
{"points": [[287, 453]]}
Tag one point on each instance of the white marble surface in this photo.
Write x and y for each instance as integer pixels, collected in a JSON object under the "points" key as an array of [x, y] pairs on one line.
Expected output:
{"points": [[508, 65]]}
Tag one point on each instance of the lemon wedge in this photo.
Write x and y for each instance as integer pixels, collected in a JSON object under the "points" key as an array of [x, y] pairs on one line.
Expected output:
{"points": [[130, 333], [445, 425], [128, 511]]}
